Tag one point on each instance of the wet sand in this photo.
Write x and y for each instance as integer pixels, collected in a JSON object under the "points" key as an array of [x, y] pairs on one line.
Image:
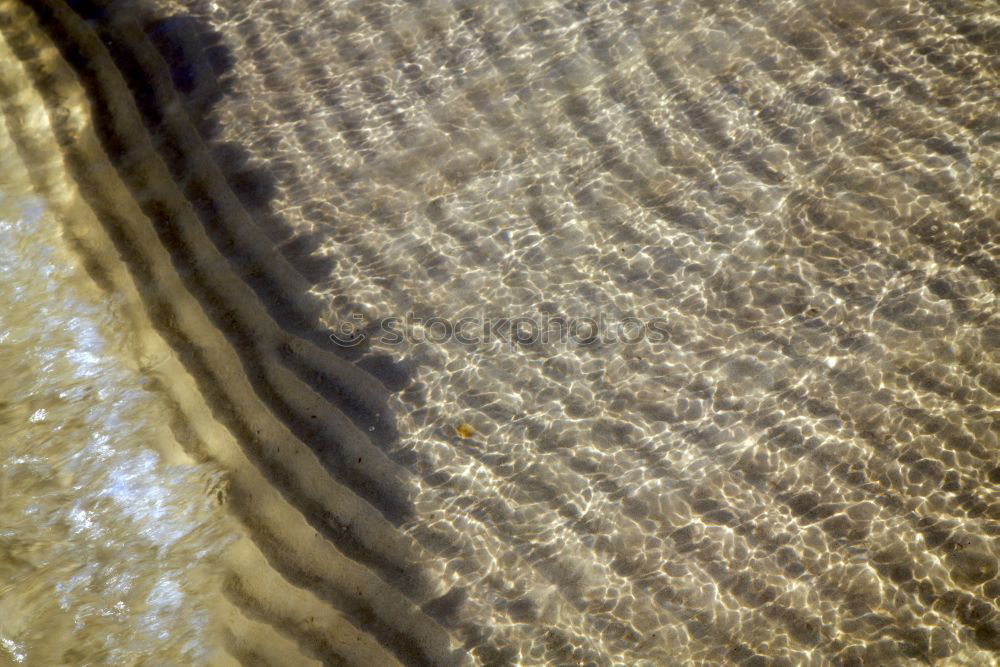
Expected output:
{"points": [[801, 467]]}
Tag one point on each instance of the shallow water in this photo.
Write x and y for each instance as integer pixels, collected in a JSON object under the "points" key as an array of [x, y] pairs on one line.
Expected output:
{"points": [[107, 547], [793, 459]]}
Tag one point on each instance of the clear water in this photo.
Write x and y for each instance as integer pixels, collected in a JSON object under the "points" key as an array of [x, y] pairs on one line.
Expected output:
{"points": [[806, 469], [106, 548]]}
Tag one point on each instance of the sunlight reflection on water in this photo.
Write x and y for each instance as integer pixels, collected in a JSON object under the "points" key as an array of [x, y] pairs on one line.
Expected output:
{"points": [[106, 550]]}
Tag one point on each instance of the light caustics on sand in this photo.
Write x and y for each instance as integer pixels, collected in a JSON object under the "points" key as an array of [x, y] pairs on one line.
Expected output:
{"points": [[801, 468]]}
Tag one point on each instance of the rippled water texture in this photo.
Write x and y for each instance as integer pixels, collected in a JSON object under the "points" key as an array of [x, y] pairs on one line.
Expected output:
{"points": [[105, 547], [802, 468]]}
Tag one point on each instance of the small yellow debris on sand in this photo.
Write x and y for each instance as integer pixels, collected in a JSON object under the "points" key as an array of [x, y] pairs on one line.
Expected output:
{"points": [[466, 430]]}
